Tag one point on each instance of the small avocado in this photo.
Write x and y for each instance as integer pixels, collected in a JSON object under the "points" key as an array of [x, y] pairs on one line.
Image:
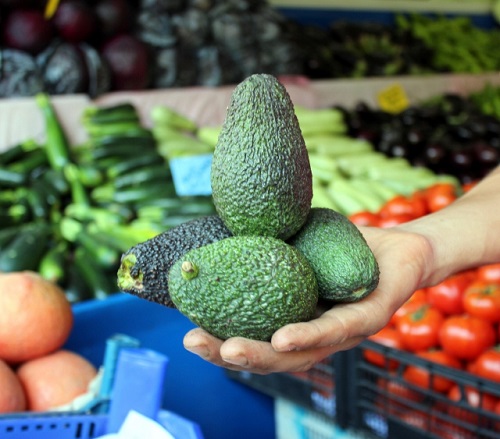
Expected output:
{"points": [[246, 286], [260, 174], [345, 266], [143, 269]]}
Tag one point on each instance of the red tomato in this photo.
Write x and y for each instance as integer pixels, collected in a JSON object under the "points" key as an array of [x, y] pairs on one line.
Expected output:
{"points": [[466, 337], [474, 399], [466, 187], [421, 375], [365, 218], [482, 299], [401, 205], [418, 298], [387, 336], [419, 329], [440, 195], [487, 365], [489, 273], [394, 220], [447, 295], [419, 203]]}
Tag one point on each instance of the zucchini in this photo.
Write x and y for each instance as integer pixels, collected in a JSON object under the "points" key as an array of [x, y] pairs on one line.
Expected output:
{"points": [[31, 161], [25, 251], [10, 178], [17, 152], [97, 281], [52, 264], [115, 113], [123, 151], [143, 175], [57, 145], [132, 164]]}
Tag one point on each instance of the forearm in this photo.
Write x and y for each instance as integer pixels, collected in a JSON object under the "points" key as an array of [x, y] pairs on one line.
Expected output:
{"points": [[465, 234]]}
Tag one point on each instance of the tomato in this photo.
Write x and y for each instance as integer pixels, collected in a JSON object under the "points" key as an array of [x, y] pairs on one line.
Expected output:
{"points": [[487, 364], [401, 205], [394, 220], [387, 336], [439, 196], [419, 329], [474, 398], [482, 299], [447, 295], [466, 337], [489, 273], [419, 203], [466, 187], [418, 298], [422, 376], [365, 218]]}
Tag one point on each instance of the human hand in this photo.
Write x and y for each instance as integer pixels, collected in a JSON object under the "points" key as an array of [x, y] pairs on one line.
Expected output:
{"points": [[402, 257]]}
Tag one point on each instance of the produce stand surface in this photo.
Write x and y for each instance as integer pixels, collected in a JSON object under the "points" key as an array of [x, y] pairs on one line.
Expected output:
{"points": [[194, 388]]}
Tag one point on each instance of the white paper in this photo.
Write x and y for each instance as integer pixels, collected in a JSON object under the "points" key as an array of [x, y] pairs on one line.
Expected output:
{"points": [[137, 426]]}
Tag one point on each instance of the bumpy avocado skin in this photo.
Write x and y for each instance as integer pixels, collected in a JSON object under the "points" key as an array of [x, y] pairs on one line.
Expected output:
{"points": [[345, 266], [143, 271], [261, 177], [246, 286]]}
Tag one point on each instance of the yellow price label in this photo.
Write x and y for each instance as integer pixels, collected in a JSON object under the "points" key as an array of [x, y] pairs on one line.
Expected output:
{"points": [[393, 99]]}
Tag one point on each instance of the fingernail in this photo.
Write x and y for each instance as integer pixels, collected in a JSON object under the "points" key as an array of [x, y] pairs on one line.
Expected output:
{"points": [[200, 350], [237, 361]]}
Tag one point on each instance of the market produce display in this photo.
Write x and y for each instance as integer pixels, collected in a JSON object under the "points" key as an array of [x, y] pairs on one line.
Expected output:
{"points": [[69, 211], [448, 134], [36, 372], [93, 47], [266, 274]]}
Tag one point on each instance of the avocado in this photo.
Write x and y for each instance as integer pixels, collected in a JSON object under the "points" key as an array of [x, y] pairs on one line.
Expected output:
{"points": [[246, 286], [260, 174], [344, 265], [143, 269]]}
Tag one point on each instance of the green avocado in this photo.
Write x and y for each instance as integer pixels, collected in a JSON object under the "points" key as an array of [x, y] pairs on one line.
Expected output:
{"points": [[344, 265], [260, 174], [246, 286]]}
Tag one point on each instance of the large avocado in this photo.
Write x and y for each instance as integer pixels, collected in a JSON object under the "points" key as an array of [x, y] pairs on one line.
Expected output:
{"points": [[261, 177], [246, 286], [143, 269], [345, 267]]}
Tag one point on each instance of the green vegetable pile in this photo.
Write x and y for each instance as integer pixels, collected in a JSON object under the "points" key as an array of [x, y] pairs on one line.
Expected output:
{"points": [[69, 212]]}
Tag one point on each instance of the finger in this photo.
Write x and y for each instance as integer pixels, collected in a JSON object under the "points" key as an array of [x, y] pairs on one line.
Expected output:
{"points": [[260, 357], [206, 346]]}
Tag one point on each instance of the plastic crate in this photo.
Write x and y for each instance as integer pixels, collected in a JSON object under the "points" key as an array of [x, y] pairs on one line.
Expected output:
{"points": [[385, 404], [128, 370], [319, 389]]}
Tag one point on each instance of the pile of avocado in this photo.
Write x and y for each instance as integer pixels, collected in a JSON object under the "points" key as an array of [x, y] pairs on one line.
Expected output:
{"points": [[267, 257]]}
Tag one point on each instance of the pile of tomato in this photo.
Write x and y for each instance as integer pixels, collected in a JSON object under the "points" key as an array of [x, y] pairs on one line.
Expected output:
{"points": [[455, 323], [402, 208]]}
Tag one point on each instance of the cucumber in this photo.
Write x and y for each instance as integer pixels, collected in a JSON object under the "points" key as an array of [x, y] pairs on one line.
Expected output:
{"points": [[25, 251]]}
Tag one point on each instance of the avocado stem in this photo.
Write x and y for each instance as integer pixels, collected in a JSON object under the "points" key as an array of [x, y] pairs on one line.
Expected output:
{"points": [[189, 270]]}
